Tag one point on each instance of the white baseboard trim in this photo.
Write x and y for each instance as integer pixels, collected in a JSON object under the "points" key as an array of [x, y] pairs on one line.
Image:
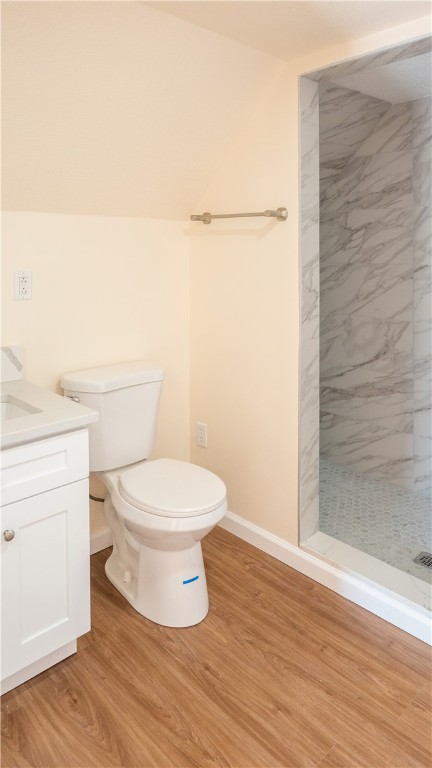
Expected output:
{"points": [[100, 539], [387, 605]]}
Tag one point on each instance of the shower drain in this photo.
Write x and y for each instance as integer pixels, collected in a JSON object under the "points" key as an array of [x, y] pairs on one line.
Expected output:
{"points": [[424, 558]]}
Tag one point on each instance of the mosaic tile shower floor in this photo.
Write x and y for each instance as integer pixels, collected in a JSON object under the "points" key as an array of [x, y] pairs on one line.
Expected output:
{"points": [[380, 519]]}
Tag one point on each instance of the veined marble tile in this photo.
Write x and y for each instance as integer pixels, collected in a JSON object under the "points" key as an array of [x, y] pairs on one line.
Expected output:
{"points": [[310, 246], [367, 291], [423, 294], [309, 464], [310, 293], [310, 436], [309, 361], [309, 100], [423, 466], [310, 427], [333, 158], [422, 386], [343, 110], [379, 58], [309, 457], [367, 449], [376, 181], [422, 171], [347, 118], [423, 355], [309, 504], [422, 236], [309, 349], [423, 414], [391, 411], [422, 383], [382, 236], [422, 122], [348, 343], [393, 132], [309, 406], [330, 169], [309, 166], [367, 382]]}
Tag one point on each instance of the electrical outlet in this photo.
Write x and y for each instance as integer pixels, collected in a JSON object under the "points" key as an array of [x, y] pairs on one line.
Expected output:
{"points": [[23, 286], [201, 434]]}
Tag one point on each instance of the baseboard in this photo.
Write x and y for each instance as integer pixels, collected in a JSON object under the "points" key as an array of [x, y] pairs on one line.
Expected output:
{"points": [[100, 539], [382, 602]]}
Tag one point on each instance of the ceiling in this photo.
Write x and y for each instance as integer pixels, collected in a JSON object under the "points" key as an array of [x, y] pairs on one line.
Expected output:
{"points": [[289, 29]]}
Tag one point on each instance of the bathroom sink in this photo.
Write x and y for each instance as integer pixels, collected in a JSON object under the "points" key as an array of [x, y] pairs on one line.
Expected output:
{"points": [[13, 408], [29, 413]]}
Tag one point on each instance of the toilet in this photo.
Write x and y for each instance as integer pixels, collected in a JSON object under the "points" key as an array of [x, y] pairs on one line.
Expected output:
{"points": [[158, 510]]}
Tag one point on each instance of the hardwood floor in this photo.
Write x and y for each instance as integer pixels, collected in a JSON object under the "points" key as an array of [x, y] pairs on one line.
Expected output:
{"points": [[282, 672]]}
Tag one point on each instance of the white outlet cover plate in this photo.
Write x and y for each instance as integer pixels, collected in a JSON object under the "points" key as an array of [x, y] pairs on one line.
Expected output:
{"points": [[23, 286]]}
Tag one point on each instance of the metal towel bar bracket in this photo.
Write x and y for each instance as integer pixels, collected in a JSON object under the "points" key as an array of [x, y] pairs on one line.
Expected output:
{"points": [[281, 214]]}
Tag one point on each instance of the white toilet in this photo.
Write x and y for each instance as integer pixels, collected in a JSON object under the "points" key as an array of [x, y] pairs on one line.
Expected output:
{"points": [[158, 510]]}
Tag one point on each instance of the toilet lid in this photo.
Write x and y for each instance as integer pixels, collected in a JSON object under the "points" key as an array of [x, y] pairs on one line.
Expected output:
{"points": [[171, 488]]}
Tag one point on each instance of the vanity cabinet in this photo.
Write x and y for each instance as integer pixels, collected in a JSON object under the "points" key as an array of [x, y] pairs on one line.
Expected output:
{"points": [[45, 587]]}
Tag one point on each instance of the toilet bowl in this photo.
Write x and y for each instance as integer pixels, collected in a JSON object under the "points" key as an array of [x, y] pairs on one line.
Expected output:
{"points": [[164, 507], [158, 510]]}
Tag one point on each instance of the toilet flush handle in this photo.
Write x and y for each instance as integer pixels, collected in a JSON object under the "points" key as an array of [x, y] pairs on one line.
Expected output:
{"points": [[75, 398]]}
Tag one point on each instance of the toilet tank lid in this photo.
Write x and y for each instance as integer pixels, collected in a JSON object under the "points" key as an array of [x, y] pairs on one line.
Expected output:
{"points": [[110, 377]]}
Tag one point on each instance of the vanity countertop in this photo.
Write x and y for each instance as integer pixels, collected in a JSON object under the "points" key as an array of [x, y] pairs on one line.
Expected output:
{"points": [[36, 413]]}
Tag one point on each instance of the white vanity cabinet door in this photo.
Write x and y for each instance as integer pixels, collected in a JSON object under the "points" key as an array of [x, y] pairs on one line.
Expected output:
{"points": [[44, 574]]}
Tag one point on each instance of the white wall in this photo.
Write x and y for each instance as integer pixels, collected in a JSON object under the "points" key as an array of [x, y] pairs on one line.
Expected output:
{"points": [[244, 334], [104, 290]]}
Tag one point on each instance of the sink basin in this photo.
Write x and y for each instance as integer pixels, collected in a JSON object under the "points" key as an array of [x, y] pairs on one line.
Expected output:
{"points": [[30, 413], [13, 408]]}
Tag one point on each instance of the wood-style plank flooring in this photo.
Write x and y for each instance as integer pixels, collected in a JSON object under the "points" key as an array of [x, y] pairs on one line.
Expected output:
{"points": [[282, 672]]}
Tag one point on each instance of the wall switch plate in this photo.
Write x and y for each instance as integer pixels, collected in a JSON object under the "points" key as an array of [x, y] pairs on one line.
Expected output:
{"points": [[201, 434], [23, 286]]}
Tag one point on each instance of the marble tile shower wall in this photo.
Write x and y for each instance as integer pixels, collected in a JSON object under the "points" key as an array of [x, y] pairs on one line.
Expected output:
{"points": [[370, 230], [422, 240], [373, 379], [310, 330]]}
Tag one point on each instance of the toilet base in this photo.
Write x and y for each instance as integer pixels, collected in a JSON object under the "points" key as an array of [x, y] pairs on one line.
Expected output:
{"points": [[170, 588]]}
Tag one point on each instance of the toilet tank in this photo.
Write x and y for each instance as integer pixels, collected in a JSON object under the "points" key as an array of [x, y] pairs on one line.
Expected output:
{"points": [[126, 397]]}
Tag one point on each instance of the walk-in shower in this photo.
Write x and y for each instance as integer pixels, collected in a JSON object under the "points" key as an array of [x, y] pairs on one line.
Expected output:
{"points": [[365, 432], [375, 426]]}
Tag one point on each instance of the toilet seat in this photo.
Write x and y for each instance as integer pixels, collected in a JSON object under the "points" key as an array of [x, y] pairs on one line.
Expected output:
{"points": [[171, 488]]}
